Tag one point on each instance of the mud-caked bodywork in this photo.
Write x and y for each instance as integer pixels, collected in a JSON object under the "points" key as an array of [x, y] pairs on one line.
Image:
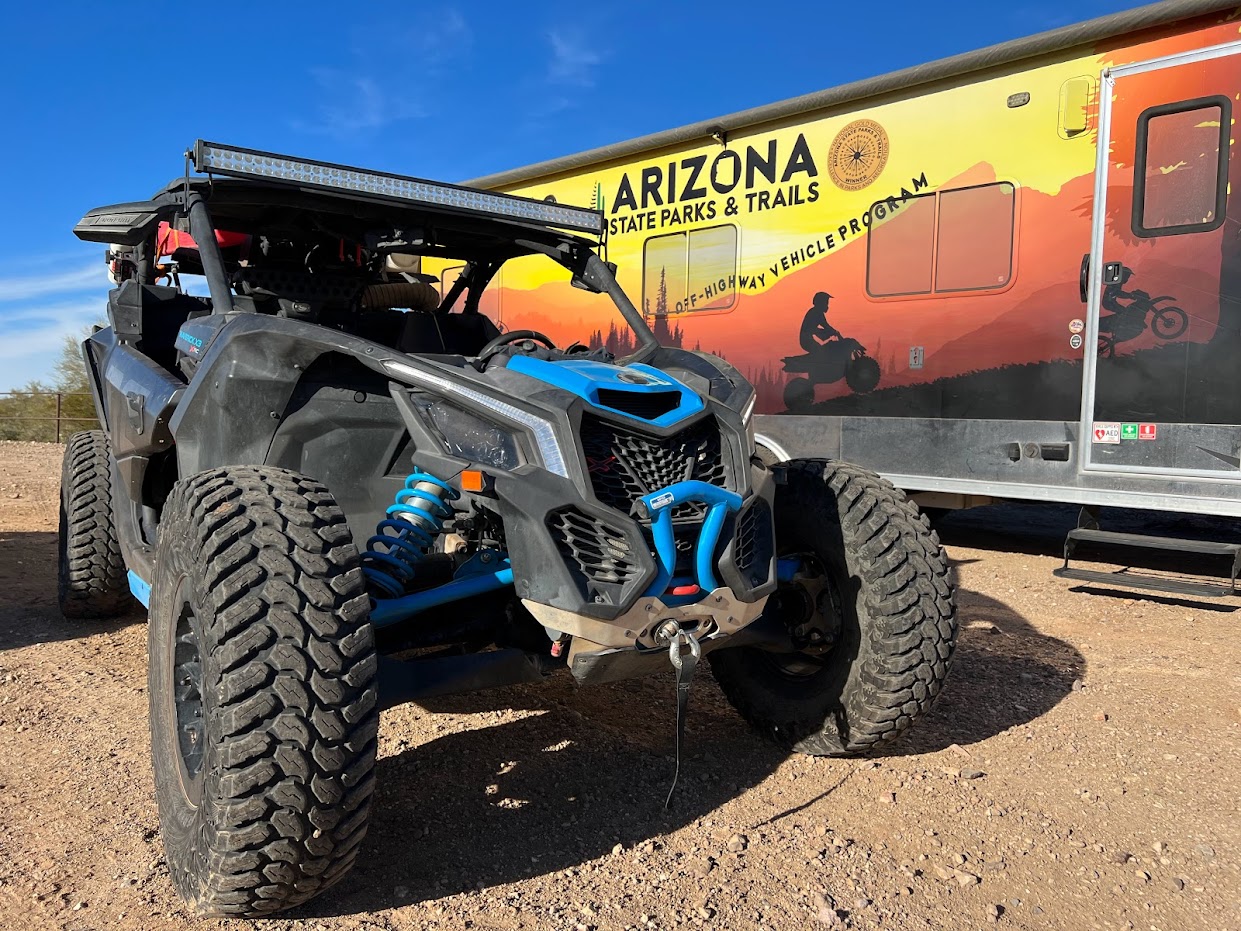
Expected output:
{"points": [[337, 485]]}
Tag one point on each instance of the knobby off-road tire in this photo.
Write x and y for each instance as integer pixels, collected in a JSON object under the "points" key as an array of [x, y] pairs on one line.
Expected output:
{"points": [[897, 623], [262, 691], [91, 581]]}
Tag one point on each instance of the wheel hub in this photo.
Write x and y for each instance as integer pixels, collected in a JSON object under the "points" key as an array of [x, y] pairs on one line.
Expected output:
{"points": [[813, 607], [187, 699]]}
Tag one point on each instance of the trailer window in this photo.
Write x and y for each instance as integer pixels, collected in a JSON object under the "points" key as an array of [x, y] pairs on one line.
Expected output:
{"points": [[900, 247], [1180, 177], [974, 240], [946, 242], [693, 271], [664, 267]]}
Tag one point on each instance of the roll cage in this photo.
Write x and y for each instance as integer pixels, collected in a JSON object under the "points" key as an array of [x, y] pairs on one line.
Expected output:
{"points": [[294, 214]]}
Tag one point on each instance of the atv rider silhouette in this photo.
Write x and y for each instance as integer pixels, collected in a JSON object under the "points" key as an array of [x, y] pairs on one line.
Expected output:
{"points": [[815, 330], [829, 357]]}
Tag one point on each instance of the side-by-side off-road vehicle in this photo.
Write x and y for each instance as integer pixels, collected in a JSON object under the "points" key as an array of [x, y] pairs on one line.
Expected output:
{"points": [[336, 487]]}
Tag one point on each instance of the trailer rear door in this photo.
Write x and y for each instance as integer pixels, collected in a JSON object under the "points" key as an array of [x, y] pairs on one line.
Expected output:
{"points": [[1162, 332]]}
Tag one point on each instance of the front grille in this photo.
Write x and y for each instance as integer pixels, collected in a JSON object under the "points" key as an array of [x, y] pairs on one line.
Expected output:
{"points": [[596, 551], [625, 465]]}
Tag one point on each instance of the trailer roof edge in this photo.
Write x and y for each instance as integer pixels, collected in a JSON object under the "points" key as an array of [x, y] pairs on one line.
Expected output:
{"points": [[1103, 27]]}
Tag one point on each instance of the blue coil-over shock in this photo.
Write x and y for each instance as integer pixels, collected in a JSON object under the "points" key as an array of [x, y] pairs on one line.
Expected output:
{"points": [[403, 538]]}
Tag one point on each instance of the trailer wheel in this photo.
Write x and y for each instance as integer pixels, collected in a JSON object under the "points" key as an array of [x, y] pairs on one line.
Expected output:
{"points": [[862, 375], [798, 394], [262, 691], [870, 613], [91, 581]]}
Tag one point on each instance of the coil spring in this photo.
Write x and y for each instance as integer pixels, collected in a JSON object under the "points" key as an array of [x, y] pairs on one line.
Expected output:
{"points": [[402, 538]]}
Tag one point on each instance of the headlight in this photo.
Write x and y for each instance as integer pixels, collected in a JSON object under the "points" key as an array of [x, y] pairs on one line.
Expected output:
{"points": [[543, 431], [747, 418], [469, 437]]}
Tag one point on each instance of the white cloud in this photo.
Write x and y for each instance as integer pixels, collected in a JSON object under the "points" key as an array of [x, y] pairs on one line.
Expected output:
{"points": [[32, 331], [574, 59], [350, 105], [353, 99], [24, 287], [31, 337]]}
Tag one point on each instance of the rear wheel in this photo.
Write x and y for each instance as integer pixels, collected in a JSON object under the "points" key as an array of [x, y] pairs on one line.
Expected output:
{"points": [[91, 581], [798, 394], [262, 691], [870, 612]]}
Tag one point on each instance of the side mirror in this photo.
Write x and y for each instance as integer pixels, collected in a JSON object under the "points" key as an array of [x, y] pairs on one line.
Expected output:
{"points": [[125, 224]]}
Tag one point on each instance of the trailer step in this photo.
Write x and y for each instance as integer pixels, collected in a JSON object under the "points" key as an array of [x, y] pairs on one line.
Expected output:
{"points": [[1125, 579], [1214, 547], [1089, 533]]}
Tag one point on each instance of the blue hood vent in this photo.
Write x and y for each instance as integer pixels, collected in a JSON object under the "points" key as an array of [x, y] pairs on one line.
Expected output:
{"points": [[638, 391]]}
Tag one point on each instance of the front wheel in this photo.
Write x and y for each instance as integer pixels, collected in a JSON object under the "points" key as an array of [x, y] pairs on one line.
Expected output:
{"points": [[870, 612], [1169, 322], [262, 691], [862, 375]]}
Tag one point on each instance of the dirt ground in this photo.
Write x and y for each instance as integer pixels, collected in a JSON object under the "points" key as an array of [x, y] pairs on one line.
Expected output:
{"points": [[1081, 770]]}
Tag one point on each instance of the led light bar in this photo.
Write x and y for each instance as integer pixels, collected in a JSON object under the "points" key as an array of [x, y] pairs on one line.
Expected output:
{"points": [[213, 159]]}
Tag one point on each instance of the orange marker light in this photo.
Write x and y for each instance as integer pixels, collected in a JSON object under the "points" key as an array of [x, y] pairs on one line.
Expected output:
{"points": [[473, 480]]}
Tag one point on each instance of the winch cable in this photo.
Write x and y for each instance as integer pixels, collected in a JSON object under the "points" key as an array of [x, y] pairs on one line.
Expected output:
{"points": [[685, 663]]}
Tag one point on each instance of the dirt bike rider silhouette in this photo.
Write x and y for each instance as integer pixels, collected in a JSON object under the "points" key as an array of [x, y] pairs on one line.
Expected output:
{"points": [[815, 330], [1114, 293], [1127, 320]]}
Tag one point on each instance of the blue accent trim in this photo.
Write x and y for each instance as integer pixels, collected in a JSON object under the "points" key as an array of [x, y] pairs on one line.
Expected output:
{"points": [[787, 567], [585, 377], [470, 581], [659, 504], [141, 588]]}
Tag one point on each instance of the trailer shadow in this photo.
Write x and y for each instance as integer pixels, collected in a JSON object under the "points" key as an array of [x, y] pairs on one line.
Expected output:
{"points": [[28, 611], [583, 769]]}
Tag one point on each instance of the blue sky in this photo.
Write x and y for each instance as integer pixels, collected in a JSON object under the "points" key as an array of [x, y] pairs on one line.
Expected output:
{"points": [[100, 100]]}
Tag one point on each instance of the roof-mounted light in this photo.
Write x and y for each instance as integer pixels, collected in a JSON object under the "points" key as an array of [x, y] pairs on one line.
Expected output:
{"points": [[214, 159]]}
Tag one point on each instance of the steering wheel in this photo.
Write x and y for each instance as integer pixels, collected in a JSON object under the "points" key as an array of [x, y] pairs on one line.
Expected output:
{"points": [[514, 336]]}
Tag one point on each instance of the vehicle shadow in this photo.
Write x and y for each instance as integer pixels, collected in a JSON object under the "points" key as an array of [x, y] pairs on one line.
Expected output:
{"points": [[583, 769], [28, 611]]}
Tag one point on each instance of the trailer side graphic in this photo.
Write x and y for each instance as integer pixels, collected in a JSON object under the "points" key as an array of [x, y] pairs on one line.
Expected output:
{"points": [[1023, 280]]}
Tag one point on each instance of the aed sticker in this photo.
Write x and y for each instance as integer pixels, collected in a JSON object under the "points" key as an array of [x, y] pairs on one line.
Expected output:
{"points": [[1128, 431], [1076, 325], [1075, 341], [1147, 431], [662, 501], [1107, 433]]}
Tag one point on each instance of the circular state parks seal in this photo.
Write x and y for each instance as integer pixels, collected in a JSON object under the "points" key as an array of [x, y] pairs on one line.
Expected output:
{"points": [[858, 154]]}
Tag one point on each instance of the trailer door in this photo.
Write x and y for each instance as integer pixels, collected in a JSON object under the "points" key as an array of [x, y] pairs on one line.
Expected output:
{"points": [[1162, 353]]}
